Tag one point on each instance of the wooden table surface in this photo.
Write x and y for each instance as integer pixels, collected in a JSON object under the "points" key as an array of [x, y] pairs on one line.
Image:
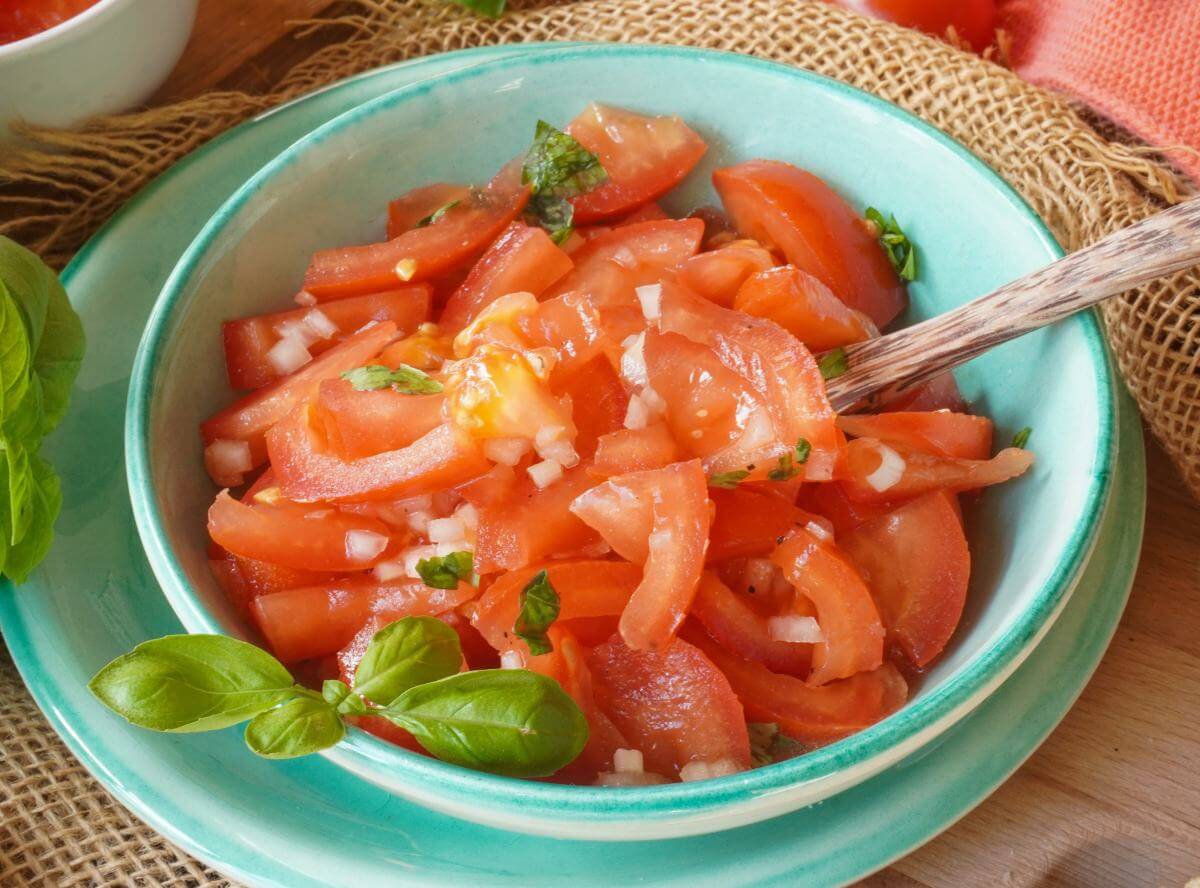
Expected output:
{"points": [[1113, 796]]}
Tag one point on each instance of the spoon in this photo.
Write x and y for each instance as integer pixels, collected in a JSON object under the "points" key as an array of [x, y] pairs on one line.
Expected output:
{"points": [[887, 365]]}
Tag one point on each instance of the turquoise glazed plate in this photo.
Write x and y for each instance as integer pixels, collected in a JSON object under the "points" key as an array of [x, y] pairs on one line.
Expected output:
{"points": [[308, 823], [1030, 538]]}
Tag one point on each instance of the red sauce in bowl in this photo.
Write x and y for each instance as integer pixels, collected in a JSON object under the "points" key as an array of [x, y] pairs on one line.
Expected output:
{"points": [[24, 18]]}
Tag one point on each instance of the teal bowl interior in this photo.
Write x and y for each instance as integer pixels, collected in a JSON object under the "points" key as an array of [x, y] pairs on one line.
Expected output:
{"points": [[1028, 538]]}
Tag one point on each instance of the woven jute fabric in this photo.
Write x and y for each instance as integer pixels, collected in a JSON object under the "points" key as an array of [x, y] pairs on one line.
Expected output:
{"points": [[57, 826]]}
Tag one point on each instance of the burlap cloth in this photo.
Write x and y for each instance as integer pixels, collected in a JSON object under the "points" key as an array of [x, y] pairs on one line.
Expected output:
{"points": [[57, 826]]}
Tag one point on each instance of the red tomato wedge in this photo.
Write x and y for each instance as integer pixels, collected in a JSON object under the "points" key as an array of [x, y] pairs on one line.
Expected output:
{"points": [[521, 259], [718, 274], [917, 564], [265, 578], [958, 435], [585, 589], [645, 157], [413, 207], [750, 523], [651, 212], [598, 401], [803, 306], [249, 417], [463, 232], [739, 627], [659, 517], [531, 524], [249, 340], [918, 472], [303, 623], [308, 471], [846, 613], [359, 424], [789, 209], [573, 326], [289, 535], [674, 705], [811, 715], [830, 501], [635, 450]]}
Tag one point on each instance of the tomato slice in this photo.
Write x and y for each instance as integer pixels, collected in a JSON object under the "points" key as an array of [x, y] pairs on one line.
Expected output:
{"points": [[659, 518], [303, 623], [815, 715], [573, 326], [674, 705], [959, 435], [787, 208], [265, 578], [923, 472], [530, 524], [972, 20], [846, 613], [521, 259], [308, 471], [359, 424], [408, 210], [290, 535], [586, 589], [803, 306], [917, 564], [650, 212], [598, 401], [249, 417], [421, 254], [739, 627], [635, 450], [249, 340], [830, 501], [718, 274], [427, 349], [749, 522], [645, 157]]}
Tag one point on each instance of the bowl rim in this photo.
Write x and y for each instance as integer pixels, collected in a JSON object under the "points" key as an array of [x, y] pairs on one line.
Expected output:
{"points": [[905, 730], [76, 25]]}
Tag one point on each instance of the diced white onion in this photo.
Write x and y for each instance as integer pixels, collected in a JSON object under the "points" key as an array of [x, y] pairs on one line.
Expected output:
{"points": [[228, 461], [443, 530], [541, 361], [637, 416], [633, 360], [597, 549], [890, 471], [298, 330], [319, 323], [624, 257], [803, 630], [306, 299], [758, 432], [654, 402], [822, 530], [288, 355], [650, 296], [512, 660], [505, 451], [467, 515], [418, 521], [545, 472], [550, 444], [628, 761], [364, 545], [386, 571], [694, 771], [422, 503], [415, 554], [451, 546]]}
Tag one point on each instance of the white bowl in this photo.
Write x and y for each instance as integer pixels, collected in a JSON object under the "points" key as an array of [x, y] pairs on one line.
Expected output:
{"points": [[110, 57]]}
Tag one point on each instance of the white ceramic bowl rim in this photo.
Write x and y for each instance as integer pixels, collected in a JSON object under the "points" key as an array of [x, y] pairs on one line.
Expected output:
{"points": [[360, 751], [72, 27]]}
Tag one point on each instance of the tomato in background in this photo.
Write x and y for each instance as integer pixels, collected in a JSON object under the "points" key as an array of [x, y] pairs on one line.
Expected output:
{"points": [[972, 20], [24, 18]]}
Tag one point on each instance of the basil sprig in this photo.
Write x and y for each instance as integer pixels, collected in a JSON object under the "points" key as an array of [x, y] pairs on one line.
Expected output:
{"points": [[505, 721], [901, 252], [556, 169], [539, 605], [446, 571], [833, 363], [404, 379]]}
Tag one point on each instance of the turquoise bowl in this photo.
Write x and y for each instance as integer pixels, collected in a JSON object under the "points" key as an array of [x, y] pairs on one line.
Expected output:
{"points": [[1030, 539]]}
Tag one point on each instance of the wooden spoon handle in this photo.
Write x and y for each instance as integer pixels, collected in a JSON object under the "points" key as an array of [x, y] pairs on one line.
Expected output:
{"points": [[1167, 242]]}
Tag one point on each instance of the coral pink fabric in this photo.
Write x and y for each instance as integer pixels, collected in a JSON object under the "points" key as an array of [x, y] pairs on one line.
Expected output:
{"points": [[1135, 61]]}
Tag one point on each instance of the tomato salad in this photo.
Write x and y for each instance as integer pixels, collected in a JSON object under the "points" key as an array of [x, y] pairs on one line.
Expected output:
{"points": [[594, 441]]}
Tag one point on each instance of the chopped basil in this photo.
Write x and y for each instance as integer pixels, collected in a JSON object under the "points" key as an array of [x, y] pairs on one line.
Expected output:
{"points": [[901, 252], [833, 363], [436, 215], [803, 450], [554, 214], [404, 379], [789, 464], [445, 571], [539, 609], [1021, 438], [728, 480], [768, 744], [556, 169]]}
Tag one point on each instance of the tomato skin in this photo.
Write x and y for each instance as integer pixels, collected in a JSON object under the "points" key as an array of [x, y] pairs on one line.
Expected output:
{"points": [[442, 246], [718, 274], [917, 564], [410, 208], [785, 207], [972, 20], [846, 612], [249, 417], [650, 212], [521, 259], [809, 714], [248, 340], [309, 472], [287, 535], [924, 472], [737, 626], [635, 450], [831, 502], [659, 517], [803, 306], [598, 398], [749, 523], [959, 435], [359, 424], [673, 704], [300, 624], [645, 157]]}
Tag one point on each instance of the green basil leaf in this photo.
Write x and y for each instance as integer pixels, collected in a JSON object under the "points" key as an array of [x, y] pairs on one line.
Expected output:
{"points": [[833, 363], [489, 8], [539, 609], [554, 214], [445, 571], [901, 252], [338, 695], [409, 652], [803, 451], [438, 214], [45, 503], [728, 480], [558, 165], [301, 726], [15, 355], [504, 721], [20, 488], [404, 379], [1021, 438], [189, 683]]}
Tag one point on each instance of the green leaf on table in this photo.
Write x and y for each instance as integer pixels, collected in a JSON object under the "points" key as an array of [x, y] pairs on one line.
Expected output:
{"points": [[45, 498], [539, 605], [504, 721], [406, 653], [303, 725], [446, 571], [338, 695], [404, 379], [187, 683]]}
